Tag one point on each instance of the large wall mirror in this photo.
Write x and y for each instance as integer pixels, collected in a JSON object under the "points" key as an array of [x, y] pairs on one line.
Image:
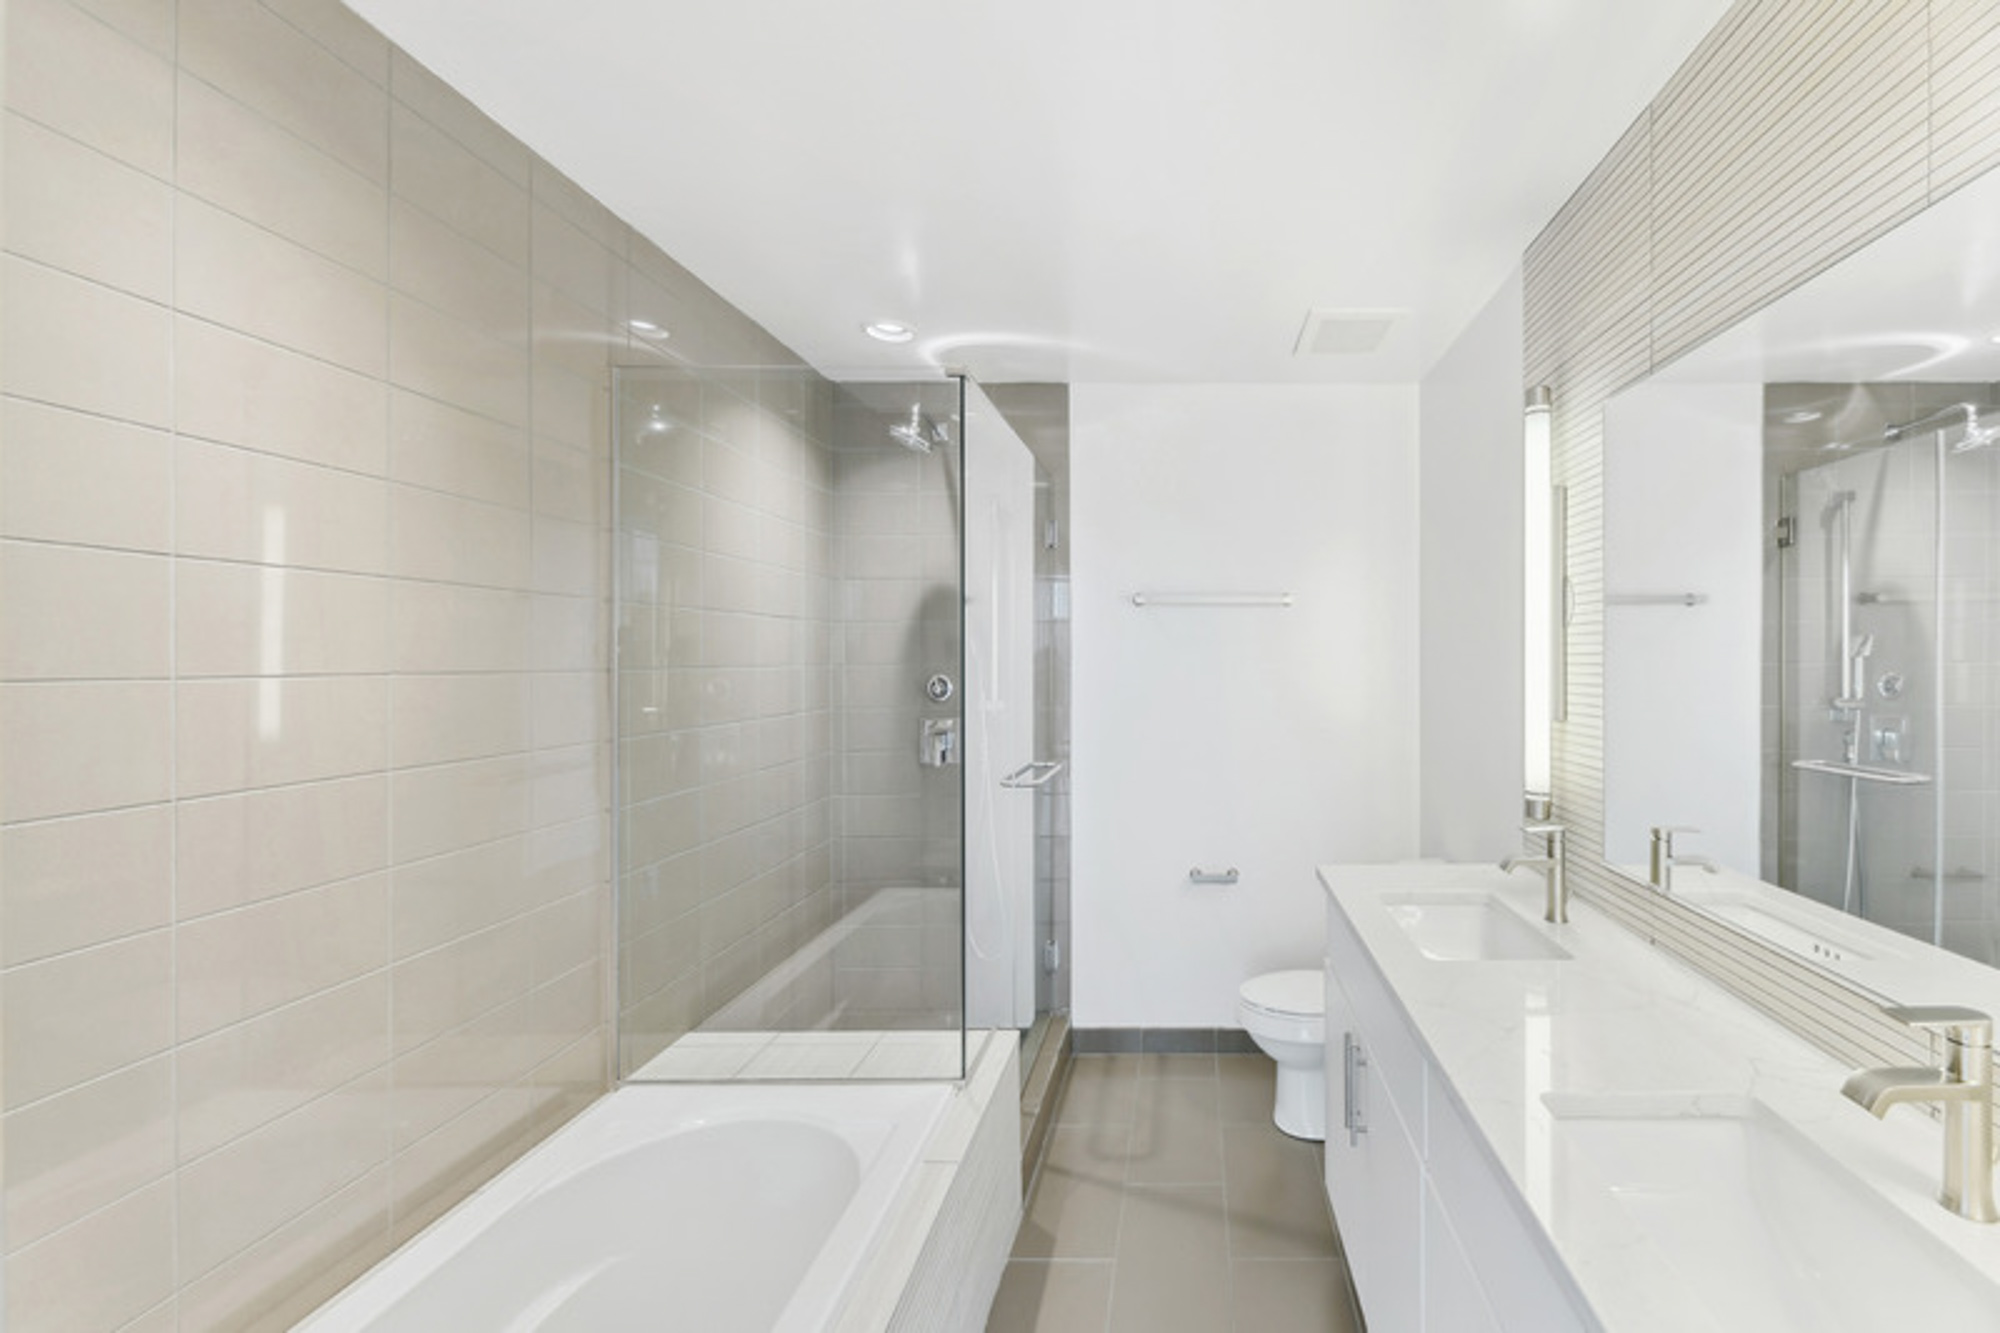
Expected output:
{"points": [[1802, 608]]}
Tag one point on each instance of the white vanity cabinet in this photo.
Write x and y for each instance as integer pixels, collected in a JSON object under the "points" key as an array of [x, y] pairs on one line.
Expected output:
{"points": [[1372, 1172], [1434, 1240], [1453, 1298]]}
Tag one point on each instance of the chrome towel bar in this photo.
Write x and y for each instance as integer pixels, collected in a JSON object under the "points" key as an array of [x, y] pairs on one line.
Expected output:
{"points": [[1199, 876], [1212, 599], [1655, 598]]}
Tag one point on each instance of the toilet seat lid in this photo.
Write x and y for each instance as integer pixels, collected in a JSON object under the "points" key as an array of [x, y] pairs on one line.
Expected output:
{"points": [[1301, 993]]}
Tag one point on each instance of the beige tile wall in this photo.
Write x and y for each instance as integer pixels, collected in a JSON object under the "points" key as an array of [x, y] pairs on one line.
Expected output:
{"points": [[899, 824], [1794, 134], [304, 733], [725, 736]]}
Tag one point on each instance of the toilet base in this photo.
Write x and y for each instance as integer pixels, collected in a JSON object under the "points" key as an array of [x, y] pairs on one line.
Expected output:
{"points": [[1301, 1104]]}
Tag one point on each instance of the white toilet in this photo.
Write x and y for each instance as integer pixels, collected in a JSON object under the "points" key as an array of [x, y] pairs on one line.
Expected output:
{"points": [[1285, 1013]]}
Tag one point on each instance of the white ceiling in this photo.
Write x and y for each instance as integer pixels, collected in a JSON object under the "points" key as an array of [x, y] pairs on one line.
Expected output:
{"points": [[1075, 190]]}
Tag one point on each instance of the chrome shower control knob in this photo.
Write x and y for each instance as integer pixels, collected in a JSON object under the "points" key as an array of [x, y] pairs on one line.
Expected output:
{"points": [[1890, 685], [939, 688]]}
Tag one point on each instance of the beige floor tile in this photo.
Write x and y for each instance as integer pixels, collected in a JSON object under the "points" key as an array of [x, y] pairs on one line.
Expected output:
{"points": [[1248, 1088], [1176, 1066], [1172, 1275], [1176, 1134], [1037, 1296], [1102, 1090], [1277, 1204], [1073, 1213], [1291, 1296]]}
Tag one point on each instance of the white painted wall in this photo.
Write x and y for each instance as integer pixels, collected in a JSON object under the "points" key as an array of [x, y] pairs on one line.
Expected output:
{"points": [[1683, 505], [1469, 491], [1269, 740]]}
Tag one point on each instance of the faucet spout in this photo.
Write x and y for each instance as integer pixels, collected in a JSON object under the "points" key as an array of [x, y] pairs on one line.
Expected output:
{"points": [[1876, 1090], [1963, 1087], [1554, 863]]}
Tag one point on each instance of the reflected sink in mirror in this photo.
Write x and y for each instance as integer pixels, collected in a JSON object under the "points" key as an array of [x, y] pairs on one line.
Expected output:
{"points": [[1755, 918], [1754, 1223], [1469, 927]]}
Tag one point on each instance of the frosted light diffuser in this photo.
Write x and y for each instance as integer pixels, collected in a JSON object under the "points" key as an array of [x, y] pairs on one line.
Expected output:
{"points": [[1537, 594]]}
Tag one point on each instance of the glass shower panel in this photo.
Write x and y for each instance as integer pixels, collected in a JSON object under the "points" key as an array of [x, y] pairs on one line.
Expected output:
{"points": [[1862, 777], [789, 868]]}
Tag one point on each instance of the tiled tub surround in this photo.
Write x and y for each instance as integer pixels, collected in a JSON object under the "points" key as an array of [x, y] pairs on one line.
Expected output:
{"points": [[797, 1007], [724, 665], [895, 1214], [303, 510], [898, 621], [788, 579], [1485, 1043]]}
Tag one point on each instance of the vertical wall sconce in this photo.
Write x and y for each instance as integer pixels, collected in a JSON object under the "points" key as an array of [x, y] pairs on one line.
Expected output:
{"points": [[1540, 594]]}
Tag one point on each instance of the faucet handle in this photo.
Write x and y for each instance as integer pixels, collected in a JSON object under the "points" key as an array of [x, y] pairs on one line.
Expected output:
{"points": [[1544, 829], [1966, 1027]]}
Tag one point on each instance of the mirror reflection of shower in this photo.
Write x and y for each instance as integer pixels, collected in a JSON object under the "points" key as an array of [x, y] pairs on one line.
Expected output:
{"points": [[1876, 627]]}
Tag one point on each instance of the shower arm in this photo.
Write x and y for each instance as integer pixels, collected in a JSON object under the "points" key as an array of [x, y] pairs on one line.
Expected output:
{"points": [[1940, 417]]}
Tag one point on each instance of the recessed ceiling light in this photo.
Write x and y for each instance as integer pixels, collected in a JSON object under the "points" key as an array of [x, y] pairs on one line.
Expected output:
{"points": [[1801, 417], [889, 331], [1993, 337], [646, 328]]}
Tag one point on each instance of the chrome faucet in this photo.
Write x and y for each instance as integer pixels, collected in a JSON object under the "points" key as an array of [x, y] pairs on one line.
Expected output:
{"points": [[1964, 1087], [1662, 861], [1554, 862]]}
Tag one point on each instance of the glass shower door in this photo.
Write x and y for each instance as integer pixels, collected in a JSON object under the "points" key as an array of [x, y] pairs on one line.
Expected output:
{"points": [[1863, 814], [788, 785], [1003, 778]]}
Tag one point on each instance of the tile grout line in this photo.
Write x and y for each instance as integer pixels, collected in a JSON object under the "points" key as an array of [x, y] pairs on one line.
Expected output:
{"points": [[176, 1260], [1222, 1174]]}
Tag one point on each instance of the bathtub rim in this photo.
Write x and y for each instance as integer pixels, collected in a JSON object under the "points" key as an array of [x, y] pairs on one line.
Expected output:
{"points": [[830, 1279]]}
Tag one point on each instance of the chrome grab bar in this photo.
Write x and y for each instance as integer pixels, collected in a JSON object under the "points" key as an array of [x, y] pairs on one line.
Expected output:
{"points": [[1197, 875], [1037, 773]]}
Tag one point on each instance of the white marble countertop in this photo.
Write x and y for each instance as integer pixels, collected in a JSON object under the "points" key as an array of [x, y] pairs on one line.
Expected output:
{"points": [[1620, 1018]]}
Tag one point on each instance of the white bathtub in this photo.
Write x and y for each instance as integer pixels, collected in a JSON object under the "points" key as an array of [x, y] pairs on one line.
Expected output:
{"points": [[700, 1207]]}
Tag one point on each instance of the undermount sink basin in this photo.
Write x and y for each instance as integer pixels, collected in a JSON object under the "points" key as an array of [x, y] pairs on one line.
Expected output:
{"points": [[1756, 1225], [1469, 927]]}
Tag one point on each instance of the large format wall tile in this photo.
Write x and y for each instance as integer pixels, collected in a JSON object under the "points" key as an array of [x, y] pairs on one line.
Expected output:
{"points": [[302, 547]]}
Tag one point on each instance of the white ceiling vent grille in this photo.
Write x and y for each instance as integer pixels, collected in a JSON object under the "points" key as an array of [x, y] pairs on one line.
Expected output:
{"points": [[1343, 332]]}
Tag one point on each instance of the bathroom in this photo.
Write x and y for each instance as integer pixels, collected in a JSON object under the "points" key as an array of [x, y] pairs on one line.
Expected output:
{"points": [[307, 765]]}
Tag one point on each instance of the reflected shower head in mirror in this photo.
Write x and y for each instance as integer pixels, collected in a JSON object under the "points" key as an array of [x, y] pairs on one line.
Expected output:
{"points": [[1978, 434], [919, 434]]}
